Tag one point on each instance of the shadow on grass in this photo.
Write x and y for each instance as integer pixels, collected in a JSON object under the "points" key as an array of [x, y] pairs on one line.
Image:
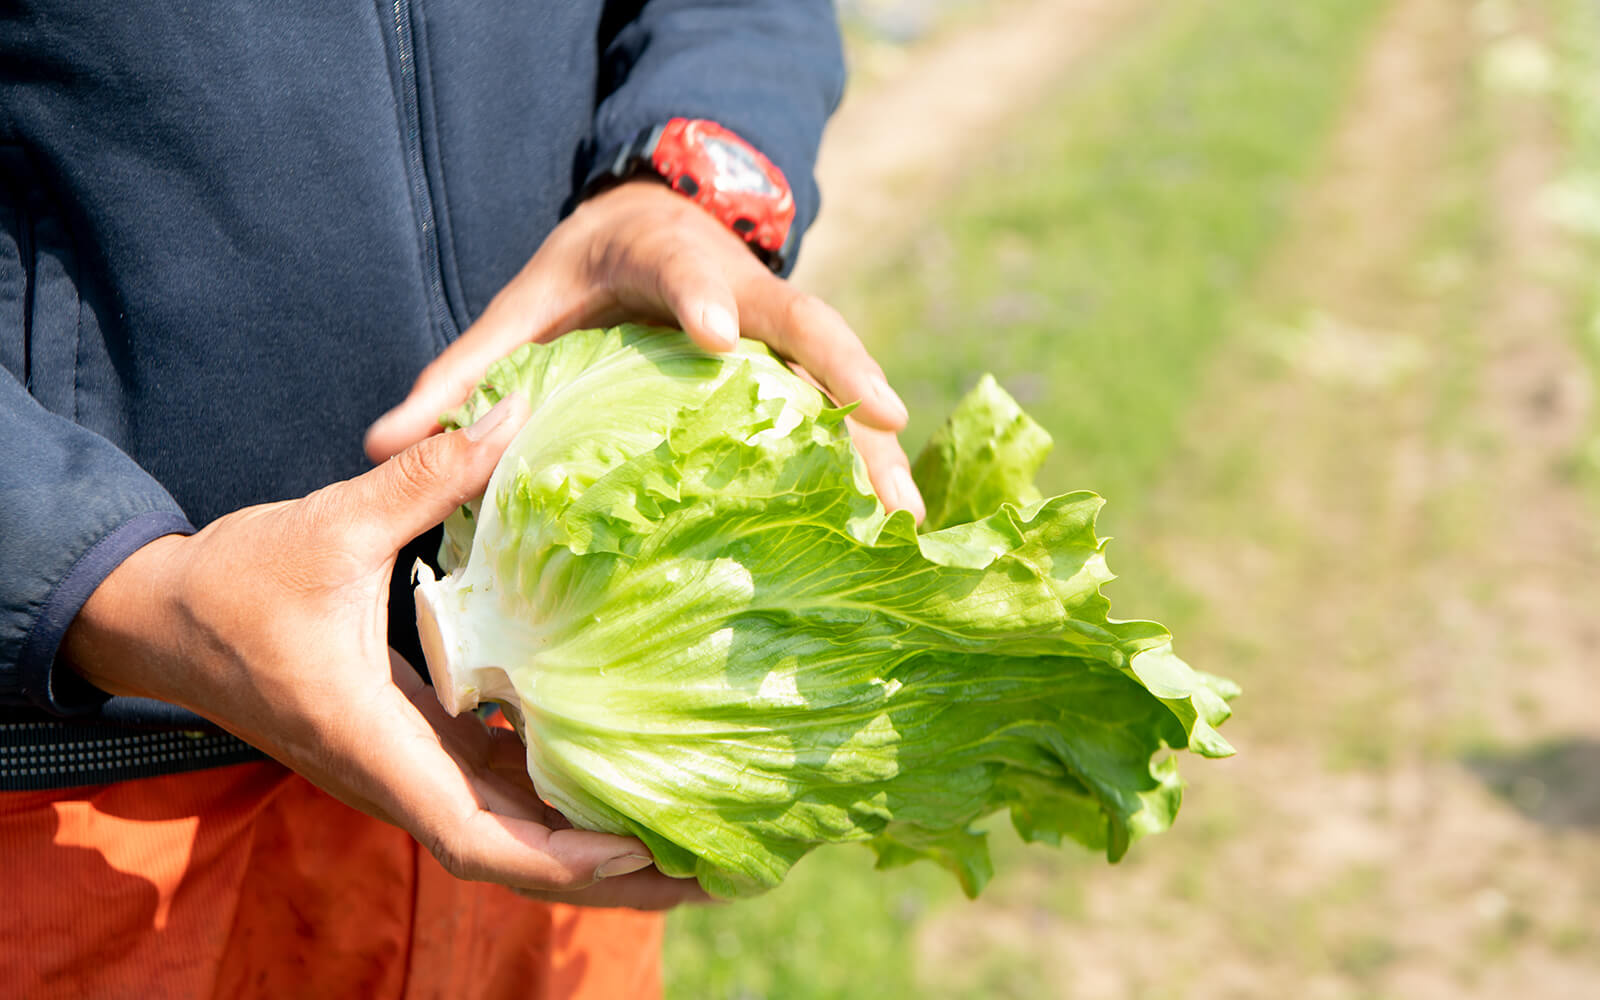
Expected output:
{"points": [[1556, 784]]}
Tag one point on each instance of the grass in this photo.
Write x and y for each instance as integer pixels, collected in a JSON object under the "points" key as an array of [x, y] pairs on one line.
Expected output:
{"points": [[1093, 265], [1578, 66], [831, 924], [1093, 262]]}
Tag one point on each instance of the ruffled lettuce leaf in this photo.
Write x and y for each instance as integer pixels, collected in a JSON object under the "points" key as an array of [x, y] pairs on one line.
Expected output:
{"points": [[985, 455]]}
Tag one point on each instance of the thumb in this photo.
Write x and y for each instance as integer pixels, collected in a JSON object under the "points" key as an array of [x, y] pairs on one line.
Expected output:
{"points": [[423, 485]]}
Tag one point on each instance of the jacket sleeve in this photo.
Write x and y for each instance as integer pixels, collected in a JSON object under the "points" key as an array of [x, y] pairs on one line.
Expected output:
{"points": [[72, 508], [770, 70]]}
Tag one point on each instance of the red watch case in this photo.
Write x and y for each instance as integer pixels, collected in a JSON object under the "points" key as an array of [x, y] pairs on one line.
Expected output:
{"points": [[727, 177]]}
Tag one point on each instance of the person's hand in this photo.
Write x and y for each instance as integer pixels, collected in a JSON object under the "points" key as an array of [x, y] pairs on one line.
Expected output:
{"points": [[272, 622], [641, 252]]}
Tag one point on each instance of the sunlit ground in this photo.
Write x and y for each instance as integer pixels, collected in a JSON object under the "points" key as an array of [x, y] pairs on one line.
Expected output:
{"points": [[1307, 291]]}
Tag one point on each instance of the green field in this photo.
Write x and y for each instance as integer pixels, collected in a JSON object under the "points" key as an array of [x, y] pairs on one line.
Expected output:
{"points": [[1093, 262], [1096, 265], [1306, 290]]}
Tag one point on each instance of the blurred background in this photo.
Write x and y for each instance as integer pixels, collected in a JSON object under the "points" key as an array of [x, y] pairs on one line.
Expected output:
{"points": [[1307, 289]]}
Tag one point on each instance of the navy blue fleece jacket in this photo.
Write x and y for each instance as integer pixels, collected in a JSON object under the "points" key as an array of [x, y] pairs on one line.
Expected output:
{"points": [[232, 233]]}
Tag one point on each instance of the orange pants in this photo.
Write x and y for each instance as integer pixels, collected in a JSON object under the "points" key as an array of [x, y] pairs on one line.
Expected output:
{"points": [[247, 881]]}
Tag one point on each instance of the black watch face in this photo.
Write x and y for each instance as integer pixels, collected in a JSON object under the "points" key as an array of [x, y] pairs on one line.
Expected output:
{"points": [[737, 170]]}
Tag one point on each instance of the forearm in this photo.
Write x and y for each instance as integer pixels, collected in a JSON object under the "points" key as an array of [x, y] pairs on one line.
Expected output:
{"points": [[75, 507]]}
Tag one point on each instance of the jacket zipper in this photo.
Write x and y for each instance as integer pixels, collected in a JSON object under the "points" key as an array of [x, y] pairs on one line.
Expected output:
{"points": [[416, 172]]}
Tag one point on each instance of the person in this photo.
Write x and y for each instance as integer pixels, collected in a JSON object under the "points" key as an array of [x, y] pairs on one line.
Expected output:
{"points": [[231, 237]]}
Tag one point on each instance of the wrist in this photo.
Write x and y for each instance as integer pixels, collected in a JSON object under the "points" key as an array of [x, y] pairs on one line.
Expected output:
{"points": [[651, 200], [719, 172], [128, 620]]}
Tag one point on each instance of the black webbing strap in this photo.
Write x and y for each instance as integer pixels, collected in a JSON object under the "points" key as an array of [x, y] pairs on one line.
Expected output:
{"points": [[36, 756]]}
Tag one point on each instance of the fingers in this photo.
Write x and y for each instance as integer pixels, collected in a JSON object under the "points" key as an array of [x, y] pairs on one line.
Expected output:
{"points": [[506, 752], [686, 263], [805, 329], [887, 465], [489, 847], [522, 314], [888, 468], [608, 870], [421, 486], [491, 838], [701, 301], [648, 889], [407, 775]]}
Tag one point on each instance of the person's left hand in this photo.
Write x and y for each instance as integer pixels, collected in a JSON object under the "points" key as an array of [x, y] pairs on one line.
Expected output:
{"points": [[642, 252]]}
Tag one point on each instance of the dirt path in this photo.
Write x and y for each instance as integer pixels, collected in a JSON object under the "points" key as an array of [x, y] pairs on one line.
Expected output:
{"points": [[1396, 565], [894, 147]]}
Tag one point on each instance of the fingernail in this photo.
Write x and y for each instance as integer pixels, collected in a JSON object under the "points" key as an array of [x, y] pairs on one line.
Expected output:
{"points": [[907, 496], [891, 401], [485, 425], [718, 322], [623, 865]]}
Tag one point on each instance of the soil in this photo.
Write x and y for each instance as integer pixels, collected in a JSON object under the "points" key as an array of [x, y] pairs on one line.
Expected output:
{"points": [[898, 142], [1409, 587]]}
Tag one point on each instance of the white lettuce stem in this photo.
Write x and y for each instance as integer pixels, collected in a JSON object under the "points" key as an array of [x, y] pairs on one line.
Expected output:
{"points": [[464, 675]]}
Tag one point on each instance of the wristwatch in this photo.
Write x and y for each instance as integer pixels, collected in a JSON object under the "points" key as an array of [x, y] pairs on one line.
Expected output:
{"points": [[721, 173]]}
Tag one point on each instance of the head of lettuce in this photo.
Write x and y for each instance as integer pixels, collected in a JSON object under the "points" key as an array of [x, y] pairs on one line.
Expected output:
{"points": [[711, 636]]}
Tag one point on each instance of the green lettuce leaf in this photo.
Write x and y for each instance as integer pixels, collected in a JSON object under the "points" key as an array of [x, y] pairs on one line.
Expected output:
{"points": [[985, 455], [711, 636]]}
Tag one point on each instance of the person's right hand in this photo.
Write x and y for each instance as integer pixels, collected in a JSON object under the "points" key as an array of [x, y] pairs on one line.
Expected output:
{"points": [[643, 252], [272, 622]]}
